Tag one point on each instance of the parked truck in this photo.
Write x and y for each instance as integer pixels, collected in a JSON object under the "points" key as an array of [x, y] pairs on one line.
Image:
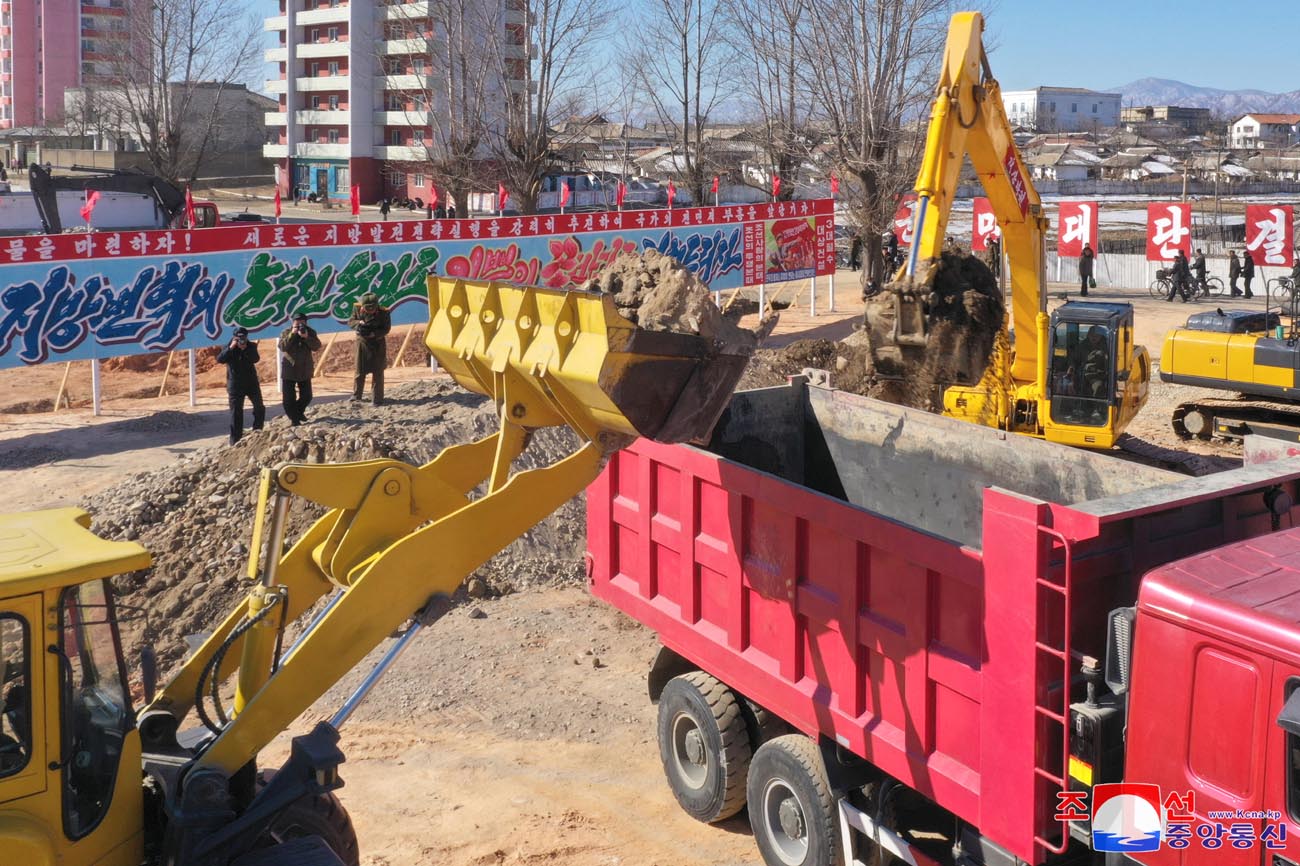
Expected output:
{"points": [[892, 634]]}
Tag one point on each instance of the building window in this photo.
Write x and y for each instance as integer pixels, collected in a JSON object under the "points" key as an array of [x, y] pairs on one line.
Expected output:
{"points": [[315, 103], [1094, 108], [395, 137], [315, 69], [419, 136], [315, 35], [418, 65], [334, 136], [334, 67], [396, 178], [333, 34], [1053, 106], [344, 177], [394, 102], [1074, 108], [417, 180], [334, 102]]}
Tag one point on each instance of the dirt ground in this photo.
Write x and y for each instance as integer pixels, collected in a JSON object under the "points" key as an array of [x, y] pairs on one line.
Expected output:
{"points": [[515, 731]]}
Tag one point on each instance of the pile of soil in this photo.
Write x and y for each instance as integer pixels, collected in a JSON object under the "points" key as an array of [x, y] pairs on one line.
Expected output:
{"points": [[658, 293], [196, 516]]}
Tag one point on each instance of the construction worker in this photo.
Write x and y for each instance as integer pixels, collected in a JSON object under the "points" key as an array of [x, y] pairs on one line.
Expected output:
{"points": [[1094, 364], [372, 324], [1180, 278], [240, 357], [297, 365]]}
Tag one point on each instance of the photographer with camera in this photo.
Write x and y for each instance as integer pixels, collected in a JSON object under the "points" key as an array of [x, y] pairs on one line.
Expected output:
{"points": [[240, 357], [297, 365]]}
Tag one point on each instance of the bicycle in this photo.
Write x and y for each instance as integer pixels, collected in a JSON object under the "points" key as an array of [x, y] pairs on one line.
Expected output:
{"points": [[1282, 290], [1210, 287], [1163, 284]]}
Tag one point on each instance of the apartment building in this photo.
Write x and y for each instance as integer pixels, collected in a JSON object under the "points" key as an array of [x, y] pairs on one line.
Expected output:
{"points": [[355, 86], [47, 46], [1061, 109]]}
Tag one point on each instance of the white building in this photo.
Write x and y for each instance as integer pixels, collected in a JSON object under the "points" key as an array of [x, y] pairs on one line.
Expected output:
{"points": [[1061, 109], [354, 85], [1265, 130]]}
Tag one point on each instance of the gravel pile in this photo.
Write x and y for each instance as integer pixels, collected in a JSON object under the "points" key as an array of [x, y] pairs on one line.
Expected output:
{"points": [[196, 515]]}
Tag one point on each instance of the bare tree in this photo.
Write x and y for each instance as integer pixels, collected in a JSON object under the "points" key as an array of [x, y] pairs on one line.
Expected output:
{"points": [[454, 93], [874, 72], [544, 59], [770, 38], [682, 63], [172, 65]]}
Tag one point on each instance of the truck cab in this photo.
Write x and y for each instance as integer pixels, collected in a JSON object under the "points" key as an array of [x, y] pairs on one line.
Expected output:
{"points": [[1214, 708], [70, 789]]}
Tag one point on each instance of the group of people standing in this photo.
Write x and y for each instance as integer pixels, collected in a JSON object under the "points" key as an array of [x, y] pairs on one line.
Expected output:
{"points": [[1185, 274], [297, 346]]}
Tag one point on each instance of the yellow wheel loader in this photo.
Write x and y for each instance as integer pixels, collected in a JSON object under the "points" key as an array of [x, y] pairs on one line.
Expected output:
{"points": [[1074, 377], [87, 779]]}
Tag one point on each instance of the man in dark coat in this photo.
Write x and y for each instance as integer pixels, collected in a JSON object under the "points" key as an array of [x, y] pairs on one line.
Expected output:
{"points": [[384, 208], [297, 365], [372, 324], [1247, 270], [1085, 269], [451, 210], [1198, 268], [1180, 279], [240, 358], [1234, 272]]}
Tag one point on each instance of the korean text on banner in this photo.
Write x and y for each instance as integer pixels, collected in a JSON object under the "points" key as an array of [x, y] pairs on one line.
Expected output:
{"points": [[984, 225], [1270, 234], [1076, 228], [1169, 229]]}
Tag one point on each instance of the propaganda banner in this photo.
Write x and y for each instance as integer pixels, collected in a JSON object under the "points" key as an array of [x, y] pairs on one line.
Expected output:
{"points": [[1169, 229], [1270, 234], [81, 296], [1076, 227], [903, 219], [984, 226]]}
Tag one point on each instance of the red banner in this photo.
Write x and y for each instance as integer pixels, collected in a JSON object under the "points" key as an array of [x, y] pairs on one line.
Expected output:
{"points": [[1270, 234], [1076, 227], [984, 226], [1169, 229], [903, 219]]}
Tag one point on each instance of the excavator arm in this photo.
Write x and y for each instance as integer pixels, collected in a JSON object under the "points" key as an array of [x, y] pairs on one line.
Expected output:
{"points": [[397, 540], [45, 187]]}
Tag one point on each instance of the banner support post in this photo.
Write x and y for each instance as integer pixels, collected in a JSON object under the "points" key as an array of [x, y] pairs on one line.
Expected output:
{"points": [[96, 394], [812, 295], [193, 379], [831, 304]]}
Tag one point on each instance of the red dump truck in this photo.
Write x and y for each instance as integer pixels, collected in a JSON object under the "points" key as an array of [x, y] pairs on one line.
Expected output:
{"points": [[892, 634]]}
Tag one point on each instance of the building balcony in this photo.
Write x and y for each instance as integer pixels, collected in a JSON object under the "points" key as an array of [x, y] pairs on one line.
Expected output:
{"points": [[415, 118], [322, 117], [416, 46], [406, 11], [276, 85], [323, 82], [332, 15], [419, 153], [275, 151], [276, 55], [407, 82], [276, 118], [314, 50], [321, 150], [515, 52], [516, 16], [279, 22]]}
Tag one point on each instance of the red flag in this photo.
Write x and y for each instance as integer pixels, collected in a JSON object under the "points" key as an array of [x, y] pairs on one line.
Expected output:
{"points": [[433, 197], [620, 193], [715, 184], [503, 196], [564, 193], [92, 198], [189, 205], [356, 200], [984, 225], [835, 185], [1270, 234], [672, 193], [776, 186]]}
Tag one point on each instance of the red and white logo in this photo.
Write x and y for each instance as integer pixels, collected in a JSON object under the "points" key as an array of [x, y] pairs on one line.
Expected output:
{"points": [[1126, 817], [1169, 229], [984, 225], [1077, 226]]}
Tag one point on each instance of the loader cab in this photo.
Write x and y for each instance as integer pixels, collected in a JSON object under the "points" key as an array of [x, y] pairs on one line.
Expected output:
{"points": [[70, 787], [1086, 377]]}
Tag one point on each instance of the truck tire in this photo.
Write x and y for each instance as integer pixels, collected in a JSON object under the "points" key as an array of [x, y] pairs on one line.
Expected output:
{"points": [[704, 746], [322, 816], [791, 810]]}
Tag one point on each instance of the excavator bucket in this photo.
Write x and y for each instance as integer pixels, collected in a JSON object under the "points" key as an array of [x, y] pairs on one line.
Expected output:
{"points": [[551, 357]]}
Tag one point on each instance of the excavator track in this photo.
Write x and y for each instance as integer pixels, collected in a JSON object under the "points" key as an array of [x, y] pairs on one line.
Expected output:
{"points": [[1235, 418], [1151, 454]]}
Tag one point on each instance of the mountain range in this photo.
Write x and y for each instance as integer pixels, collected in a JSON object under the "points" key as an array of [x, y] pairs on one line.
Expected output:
{"points": [[1228, 104]]}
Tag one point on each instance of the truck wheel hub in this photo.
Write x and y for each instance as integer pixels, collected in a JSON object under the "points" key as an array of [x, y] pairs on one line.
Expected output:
{"points": [[791, 818], [695, 748]]}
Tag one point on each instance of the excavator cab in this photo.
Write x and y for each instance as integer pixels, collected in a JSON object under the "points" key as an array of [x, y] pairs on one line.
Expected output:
{"points": [[1090, 389]]}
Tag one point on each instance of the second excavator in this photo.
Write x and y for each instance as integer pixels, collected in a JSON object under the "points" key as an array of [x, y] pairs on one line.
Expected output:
{"points": [[1074, 377]]}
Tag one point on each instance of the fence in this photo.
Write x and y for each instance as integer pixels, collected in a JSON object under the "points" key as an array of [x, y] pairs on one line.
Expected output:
{"points": [[1171, 188], [1132, 271]]}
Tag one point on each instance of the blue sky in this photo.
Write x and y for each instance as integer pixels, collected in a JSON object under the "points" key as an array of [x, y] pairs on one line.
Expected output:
{"points": [[1105, 43]]}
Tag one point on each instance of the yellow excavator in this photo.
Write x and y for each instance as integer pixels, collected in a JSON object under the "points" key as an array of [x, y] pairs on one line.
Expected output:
{"points": [[87, 780], [1075, 377]]}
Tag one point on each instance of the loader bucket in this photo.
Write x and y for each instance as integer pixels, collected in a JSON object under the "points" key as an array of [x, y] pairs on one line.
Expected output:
{"points": [[551, 357]]}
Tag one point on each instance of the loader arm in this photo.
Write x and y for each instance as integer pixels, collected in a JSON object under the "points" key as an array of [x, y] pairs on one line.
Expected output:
{"points": [[968, 120], [398, 537]]}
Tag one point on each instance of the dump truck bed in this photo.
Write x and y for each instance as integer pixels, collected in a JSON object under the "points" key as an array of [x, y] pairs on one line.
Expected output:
{"points": [[900, 583]]}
